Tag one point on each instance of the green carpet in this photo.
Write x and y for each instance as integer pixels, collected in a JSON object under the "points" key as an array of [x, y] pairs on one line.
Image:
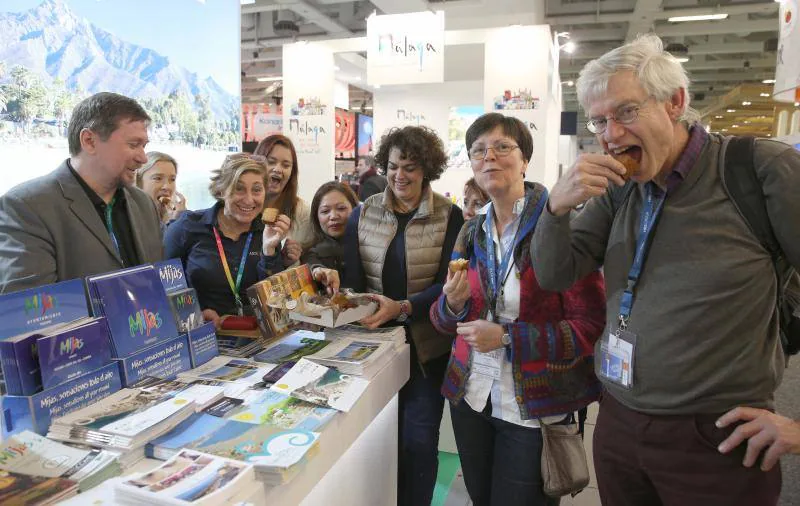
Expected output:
{"points": [[448, 467]]}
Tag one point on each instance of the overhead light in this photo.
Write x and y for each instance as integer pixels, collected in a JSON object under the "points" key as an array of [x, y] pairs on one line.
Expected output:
{"points": [[731, 110], [682, 59], [746, 122], [704, 17], [746, 103], [248, 2], [724, 130], [377, 86], [269, 79], [768, 81], [797, 104], [764, 94], [734, 126], [569, 47], [368, 107], [718, 117]]}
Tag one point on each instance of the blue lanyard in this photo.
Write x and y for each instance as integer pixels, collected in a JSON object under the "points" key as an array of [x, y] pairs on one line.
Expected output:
{"points": [[110, 224], [497, 275], [650, 213]]}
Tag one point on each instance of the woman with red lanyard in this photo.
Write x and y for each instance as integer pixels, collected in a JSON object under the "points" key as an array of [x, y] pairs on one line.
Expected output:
{"points": [[227, 248]]}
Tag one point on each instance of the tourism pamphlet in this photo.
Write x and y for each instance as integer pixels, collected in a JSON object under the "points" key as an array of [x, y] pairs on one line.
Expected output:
{"points": [[274, 408], [321, 385], [355, 356], [135, 306], [22, 490], [395, 335], [186, 308], [190, 477], [172, 275], [293, 347], [73, 350], [229, 369], [34, 455]]}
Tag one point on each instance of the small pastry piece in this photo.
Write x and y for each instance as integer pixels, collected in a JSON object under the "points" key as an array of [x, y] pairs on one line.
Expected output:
{"points": [[164, 200], [631, 164], [459, 264], [269, 215]]}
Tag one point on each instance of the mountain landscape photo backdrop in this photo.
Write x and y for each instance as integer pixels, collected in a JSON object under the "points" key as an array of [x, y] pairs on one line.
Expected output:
{"points": [[50, 58]]}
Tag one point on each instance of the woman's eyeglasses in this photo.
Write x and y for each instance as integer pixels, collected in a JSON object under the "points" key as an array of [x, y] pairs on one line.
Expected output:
{"points": [[500, 149]]}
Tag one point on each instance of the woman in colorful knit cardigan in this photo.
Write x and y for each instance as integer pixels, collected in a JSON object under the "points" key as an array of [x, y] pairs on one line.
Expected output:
{"points": [[522, 355]]}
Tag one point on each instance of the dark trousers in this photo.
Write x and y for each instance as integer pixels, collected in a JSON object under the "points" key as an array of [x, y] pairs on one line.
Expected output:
{"points": [[421, 406], [501, 461], [646, 460]]}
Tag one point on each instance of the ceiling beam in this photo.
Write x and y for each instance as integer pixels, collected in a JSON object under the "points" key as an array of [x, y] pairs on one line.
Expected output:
{"points": [[767, 63], [597, 34], [620, 17], [400, 6], [740, 28], [557, 7]]}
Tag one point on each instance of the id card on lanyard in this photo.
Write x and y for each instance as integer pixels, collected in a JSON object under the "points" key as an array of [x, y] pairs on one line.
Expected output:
{"points": [[618, 348], [489, 364], [234, 286]]}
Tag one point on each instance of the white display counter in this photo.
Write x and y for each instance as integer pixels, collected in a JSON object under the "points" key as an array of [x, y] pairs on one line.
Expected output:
{"points": [[356, 462]]}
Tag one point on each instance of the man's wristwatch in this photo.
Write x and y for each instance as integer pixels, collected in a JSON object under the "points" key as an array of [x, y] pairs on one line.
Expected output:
{"points": [[506, 339], [404, 311]]}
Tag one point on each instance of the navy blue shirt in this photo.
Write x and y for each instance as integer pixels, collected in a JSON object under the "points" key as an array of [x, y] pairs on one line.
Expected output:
{"points": [[394, 276], [191, 238]]}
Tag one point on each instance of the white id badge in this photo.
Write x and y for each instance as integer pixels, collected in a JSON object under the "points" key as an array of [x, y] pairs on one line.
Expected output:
{"points": [[616, 357], [487, 364]]}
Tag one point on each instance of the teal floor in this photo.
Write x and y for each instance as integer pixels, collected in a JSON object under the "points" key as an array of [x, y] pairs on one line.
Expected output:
{"points": [[449, 465]]}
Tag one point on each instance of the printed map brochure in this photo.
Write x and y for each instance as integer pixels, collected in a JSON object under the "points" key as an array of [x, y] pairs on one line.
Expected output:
{"points": [[274, 408], [321, 385], [190, 477]]}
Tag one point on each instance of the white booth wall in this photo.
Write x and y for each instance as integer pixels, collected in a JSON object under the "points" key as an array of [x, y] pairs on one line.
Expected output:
{"points": [[427, 105]]}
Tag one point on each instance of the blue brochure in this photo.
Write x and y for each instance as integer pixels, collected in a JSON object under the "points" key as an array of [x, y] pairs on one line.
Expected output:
{"points": [[73, 351], [186, 309], [37, 308], [163, 360], [172, 275], [203, 344], [136, 308]]}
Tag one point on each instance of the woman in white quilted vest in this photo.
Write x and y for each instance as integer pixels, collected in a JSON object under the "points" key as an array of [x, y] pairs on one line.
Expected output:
{"points": [[397, 247]]}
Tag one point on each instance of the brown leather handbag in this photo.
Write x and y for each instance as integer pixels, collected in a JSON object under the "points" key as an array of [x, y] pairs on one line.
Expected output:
{"points": [[564, 467]]}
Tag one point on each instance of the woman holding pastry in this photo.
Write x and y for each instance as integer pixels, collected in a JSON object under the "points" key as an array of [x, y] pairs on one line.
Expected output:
{"points": [[281, 194], [397, 246], [227, 247], [157, 179], [522, 356]]}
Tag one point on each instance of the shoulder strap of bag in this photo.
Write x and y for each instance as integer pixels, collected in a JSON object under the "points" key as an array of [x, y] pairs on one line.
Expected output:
{"points": [[739, 178]]}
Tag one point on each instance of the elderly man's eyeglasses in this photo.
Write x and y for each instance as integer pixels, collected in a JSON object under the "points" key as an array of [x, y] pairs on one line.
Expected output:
{"points": [[625, 115], [500, 149]]}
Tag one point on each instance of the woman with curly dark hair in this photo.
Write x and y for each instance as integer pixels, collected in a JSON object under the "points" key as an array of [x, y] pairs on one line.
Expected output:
{"points": [[397, 247]]}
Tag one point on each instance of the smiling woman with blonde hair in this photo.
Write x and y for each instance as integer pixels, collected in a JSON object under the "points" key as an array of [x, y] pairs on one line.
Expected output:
{"points": [[227, 248]]}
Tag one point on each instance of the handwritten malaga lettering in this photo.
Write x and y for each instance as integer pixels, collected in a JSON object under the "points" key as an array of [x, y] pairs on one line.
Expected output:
{"points": [[405, 47], [143, 321], [409, 116], [306, 129]]}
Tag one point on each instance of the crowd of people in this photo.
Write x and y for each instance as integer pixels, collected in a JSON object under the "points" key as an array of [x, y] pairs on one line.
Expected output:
{"points": [[655, 298]]}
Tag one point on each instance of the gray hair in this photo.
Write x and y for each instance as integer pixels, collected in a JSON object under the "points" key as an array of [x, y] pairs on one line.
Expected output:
{"points": [[660, 73], [153, 157]]}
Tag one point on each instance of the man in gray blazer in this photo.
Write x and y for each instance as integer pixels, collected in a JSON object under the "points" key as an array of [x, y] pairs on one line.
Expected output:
{"points": [[86, 217]]}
